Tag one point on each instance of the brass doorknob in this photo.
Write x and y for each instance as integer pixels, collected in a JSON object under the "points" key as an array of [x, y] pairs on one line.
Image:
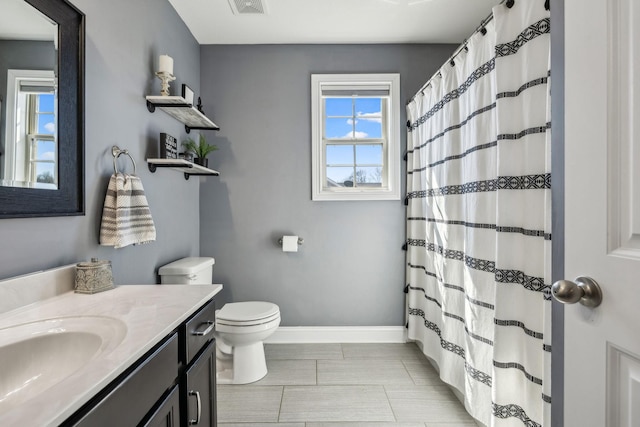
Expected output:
{"points": [[584, 290]]}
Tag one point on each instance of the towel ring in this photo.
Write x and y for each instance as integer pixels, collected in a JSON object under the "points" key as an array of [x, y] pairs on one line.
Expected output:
{"points": [[117, 152]]}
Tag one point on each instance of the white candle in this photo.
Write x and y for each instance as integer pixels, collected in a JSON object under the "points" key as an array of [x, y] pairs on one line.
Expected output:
{"points": [[166, 64]]}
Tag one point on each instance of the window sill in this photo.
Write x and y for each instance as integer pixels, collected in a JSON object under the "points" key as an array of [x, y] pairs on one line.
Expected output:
{"points": [[355, 195]]}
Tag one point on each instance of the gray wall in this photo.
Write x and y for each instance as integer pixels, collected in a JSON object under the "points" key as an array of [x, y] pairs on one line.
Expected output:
{"points": [[124, 40], [350, 269], [20, 55]]}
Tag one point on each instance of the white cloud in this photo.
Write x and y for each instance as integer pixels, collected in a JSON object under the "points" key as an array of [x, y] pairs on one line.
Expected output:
{"points": [[50, 127], [351, 121], [370, 117], [49, 155], [356, 134]]}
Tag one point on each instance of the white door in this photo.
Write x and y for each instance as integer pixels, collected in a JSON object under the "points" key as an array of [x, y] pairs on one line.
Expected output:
{"points": [[602, 210]]}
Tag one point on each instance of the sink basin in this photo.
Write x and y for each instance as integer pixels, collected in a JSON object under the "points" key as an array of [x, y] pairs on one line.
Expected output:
{"points": [[35, 356]]}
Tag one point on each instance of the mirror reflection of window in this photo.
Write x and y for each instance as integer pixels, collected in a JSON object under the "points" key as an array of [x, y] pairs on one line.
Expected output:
{"points": [[28, 77], [31, 155], [42, 153]]}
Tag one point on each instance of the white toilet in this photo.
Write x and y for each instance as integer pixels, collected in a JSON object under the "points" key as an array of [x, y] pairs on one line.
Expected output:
{"points": [[241, 327]]}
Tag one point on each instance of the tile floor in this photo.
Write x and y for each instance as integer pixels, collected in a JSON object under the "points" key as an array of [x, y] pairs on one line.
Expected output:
{"points": [[343, 385]]}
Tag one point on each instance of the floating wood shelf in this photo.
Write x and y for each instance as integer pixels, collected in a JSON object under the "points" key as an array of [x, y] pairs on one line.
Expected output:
{"points": [[181, 165], [178, 108]]}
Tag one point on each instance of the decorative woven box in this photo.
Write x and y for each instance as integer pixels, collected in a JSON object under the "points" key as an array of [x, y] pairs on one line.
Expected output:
{"points": [[94, 276]]}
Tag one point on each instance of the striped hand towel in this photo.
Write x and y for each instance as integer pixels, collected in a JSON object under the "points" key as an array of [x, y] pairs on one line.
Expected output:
{"points": [[126, 218]]}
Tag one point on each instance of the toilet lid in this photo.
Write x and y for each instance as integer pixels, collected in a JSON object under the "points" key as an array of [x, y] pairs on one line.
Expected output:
{"points": [[248, 311]]}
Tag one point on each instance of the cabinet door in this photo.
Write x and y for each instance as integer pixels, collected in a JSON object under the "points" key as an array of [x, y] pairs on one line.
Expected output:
{"points": [[200, 390], [168, 414]]}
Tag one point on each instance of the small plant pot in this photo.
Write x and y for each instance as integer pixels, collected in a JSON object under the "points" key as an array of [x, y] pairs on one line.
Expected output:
{"points": [[201, 161]]}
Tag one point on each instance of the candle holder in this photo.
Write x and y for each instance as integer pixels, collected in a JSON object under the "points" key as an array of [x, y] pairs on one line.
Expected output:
{"points": [[165, 78]]}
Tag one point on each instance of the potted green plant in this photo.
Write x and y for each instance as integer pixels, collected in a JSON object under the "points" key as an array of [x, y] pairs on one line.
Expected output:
{"points": [[200, 150]]}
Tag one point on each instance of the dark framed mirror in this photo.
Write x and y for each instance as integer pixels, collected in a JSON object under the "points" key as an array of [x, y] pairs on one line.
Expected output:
{"points": [[54, 183]]}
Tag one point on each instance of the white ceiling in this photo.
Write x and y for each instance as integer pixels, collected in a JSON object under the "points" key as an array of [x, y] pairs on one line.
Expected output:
{"points": [[335, 21], [20, 21]]}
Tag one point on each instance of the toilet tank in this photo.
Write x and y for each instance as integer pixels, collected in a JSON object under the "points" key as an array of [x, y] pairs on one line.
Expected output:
{"points": [[188, 271]]}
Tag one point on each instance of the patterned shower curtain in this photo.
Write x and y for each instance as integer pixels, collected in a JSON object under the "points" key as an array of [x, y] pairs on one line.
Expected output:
{"points": [[479, 219]]}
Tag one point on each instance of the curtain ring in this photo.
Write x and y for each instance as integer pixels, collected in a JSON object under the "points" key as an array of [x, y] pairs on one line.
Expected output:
{"points": [[510, 3], [547, 6]]}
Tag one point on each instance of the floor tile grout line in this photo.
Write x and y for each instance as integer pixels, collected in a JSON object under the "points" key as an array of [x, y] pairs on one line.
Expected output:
{"points": [[395, 417], [409, 373], [280, 406]]}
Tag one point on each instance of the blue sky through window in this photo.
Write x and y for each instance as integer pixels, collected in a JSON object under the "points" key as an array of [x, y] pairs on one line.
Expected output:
{"points": [[44, 147], [343, 113], [45, 150], [46, 122], [345, 119], [46, 169]]}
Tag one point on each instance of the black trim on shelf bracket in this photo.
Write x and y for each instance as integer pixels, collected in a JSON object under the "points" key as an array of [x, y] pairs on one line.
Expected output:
{"points": [[153, 167], [188, 174]]}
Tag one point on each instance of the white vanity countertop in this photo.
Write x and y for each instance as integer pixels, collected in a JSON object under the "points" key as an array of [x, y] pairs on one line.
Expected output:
{"points": [[149, 312]]}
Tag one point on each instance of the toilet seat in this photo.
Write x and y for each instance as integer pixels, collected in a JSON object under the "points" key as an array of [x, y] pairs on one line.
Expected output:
{"points": [[250, 313]]}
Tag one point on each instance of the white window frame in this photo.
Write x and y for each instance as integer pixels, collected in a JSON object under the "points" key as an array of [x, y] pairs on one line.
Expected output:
{"points": [[16, 132], [33, 112], [390, 189]]}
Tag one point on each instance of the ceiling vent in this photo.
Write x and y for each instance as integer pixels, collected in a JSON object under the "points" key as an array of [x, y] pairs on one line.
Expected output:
{"points": [[248, 7]]}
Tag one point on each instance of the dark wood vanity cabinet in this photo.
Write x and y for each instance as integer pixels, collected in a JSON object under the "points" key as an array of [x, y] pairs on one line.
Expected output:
{"points": [[200, 387], [198, 369], [168, 412], [129, 398], [174, 384]]}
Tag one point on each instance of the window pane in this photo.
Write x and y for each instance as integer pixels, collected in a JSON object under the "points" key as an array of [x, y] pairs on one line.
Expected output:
{"points": [[46, 124], [369, 117], [368, 106], [339, 177], [338, 128], [45, 150], [369, 176], [46, 103], [339, 155], [369, 128], [45, 172], [338, 106], [369, 154]]}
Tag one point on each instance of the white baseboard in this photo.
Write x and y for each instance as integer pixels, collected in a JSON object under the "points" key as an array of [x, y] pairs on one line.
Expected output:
{"points": [[338, 334]]}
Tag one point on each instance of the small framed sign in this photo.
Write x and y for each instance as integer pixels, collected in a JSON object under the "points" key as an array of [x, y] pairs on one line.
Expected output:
{"points": [[187, 94], [168, 146]]}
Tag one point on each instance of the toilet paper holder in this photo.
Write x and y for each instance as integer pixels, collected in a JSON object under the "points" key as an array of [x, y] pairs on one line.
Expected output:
{"points": [[300, 241]]}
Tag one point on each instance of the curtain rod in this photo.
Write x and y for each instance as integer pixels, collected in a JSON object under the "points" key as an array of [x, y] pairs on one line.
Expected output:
{"points": [[462, 46]]}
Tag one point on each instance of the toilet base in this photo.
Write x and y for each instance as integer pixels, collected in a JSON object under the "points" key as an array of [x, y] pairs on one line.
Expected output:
{"points": [[246, 364]]}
